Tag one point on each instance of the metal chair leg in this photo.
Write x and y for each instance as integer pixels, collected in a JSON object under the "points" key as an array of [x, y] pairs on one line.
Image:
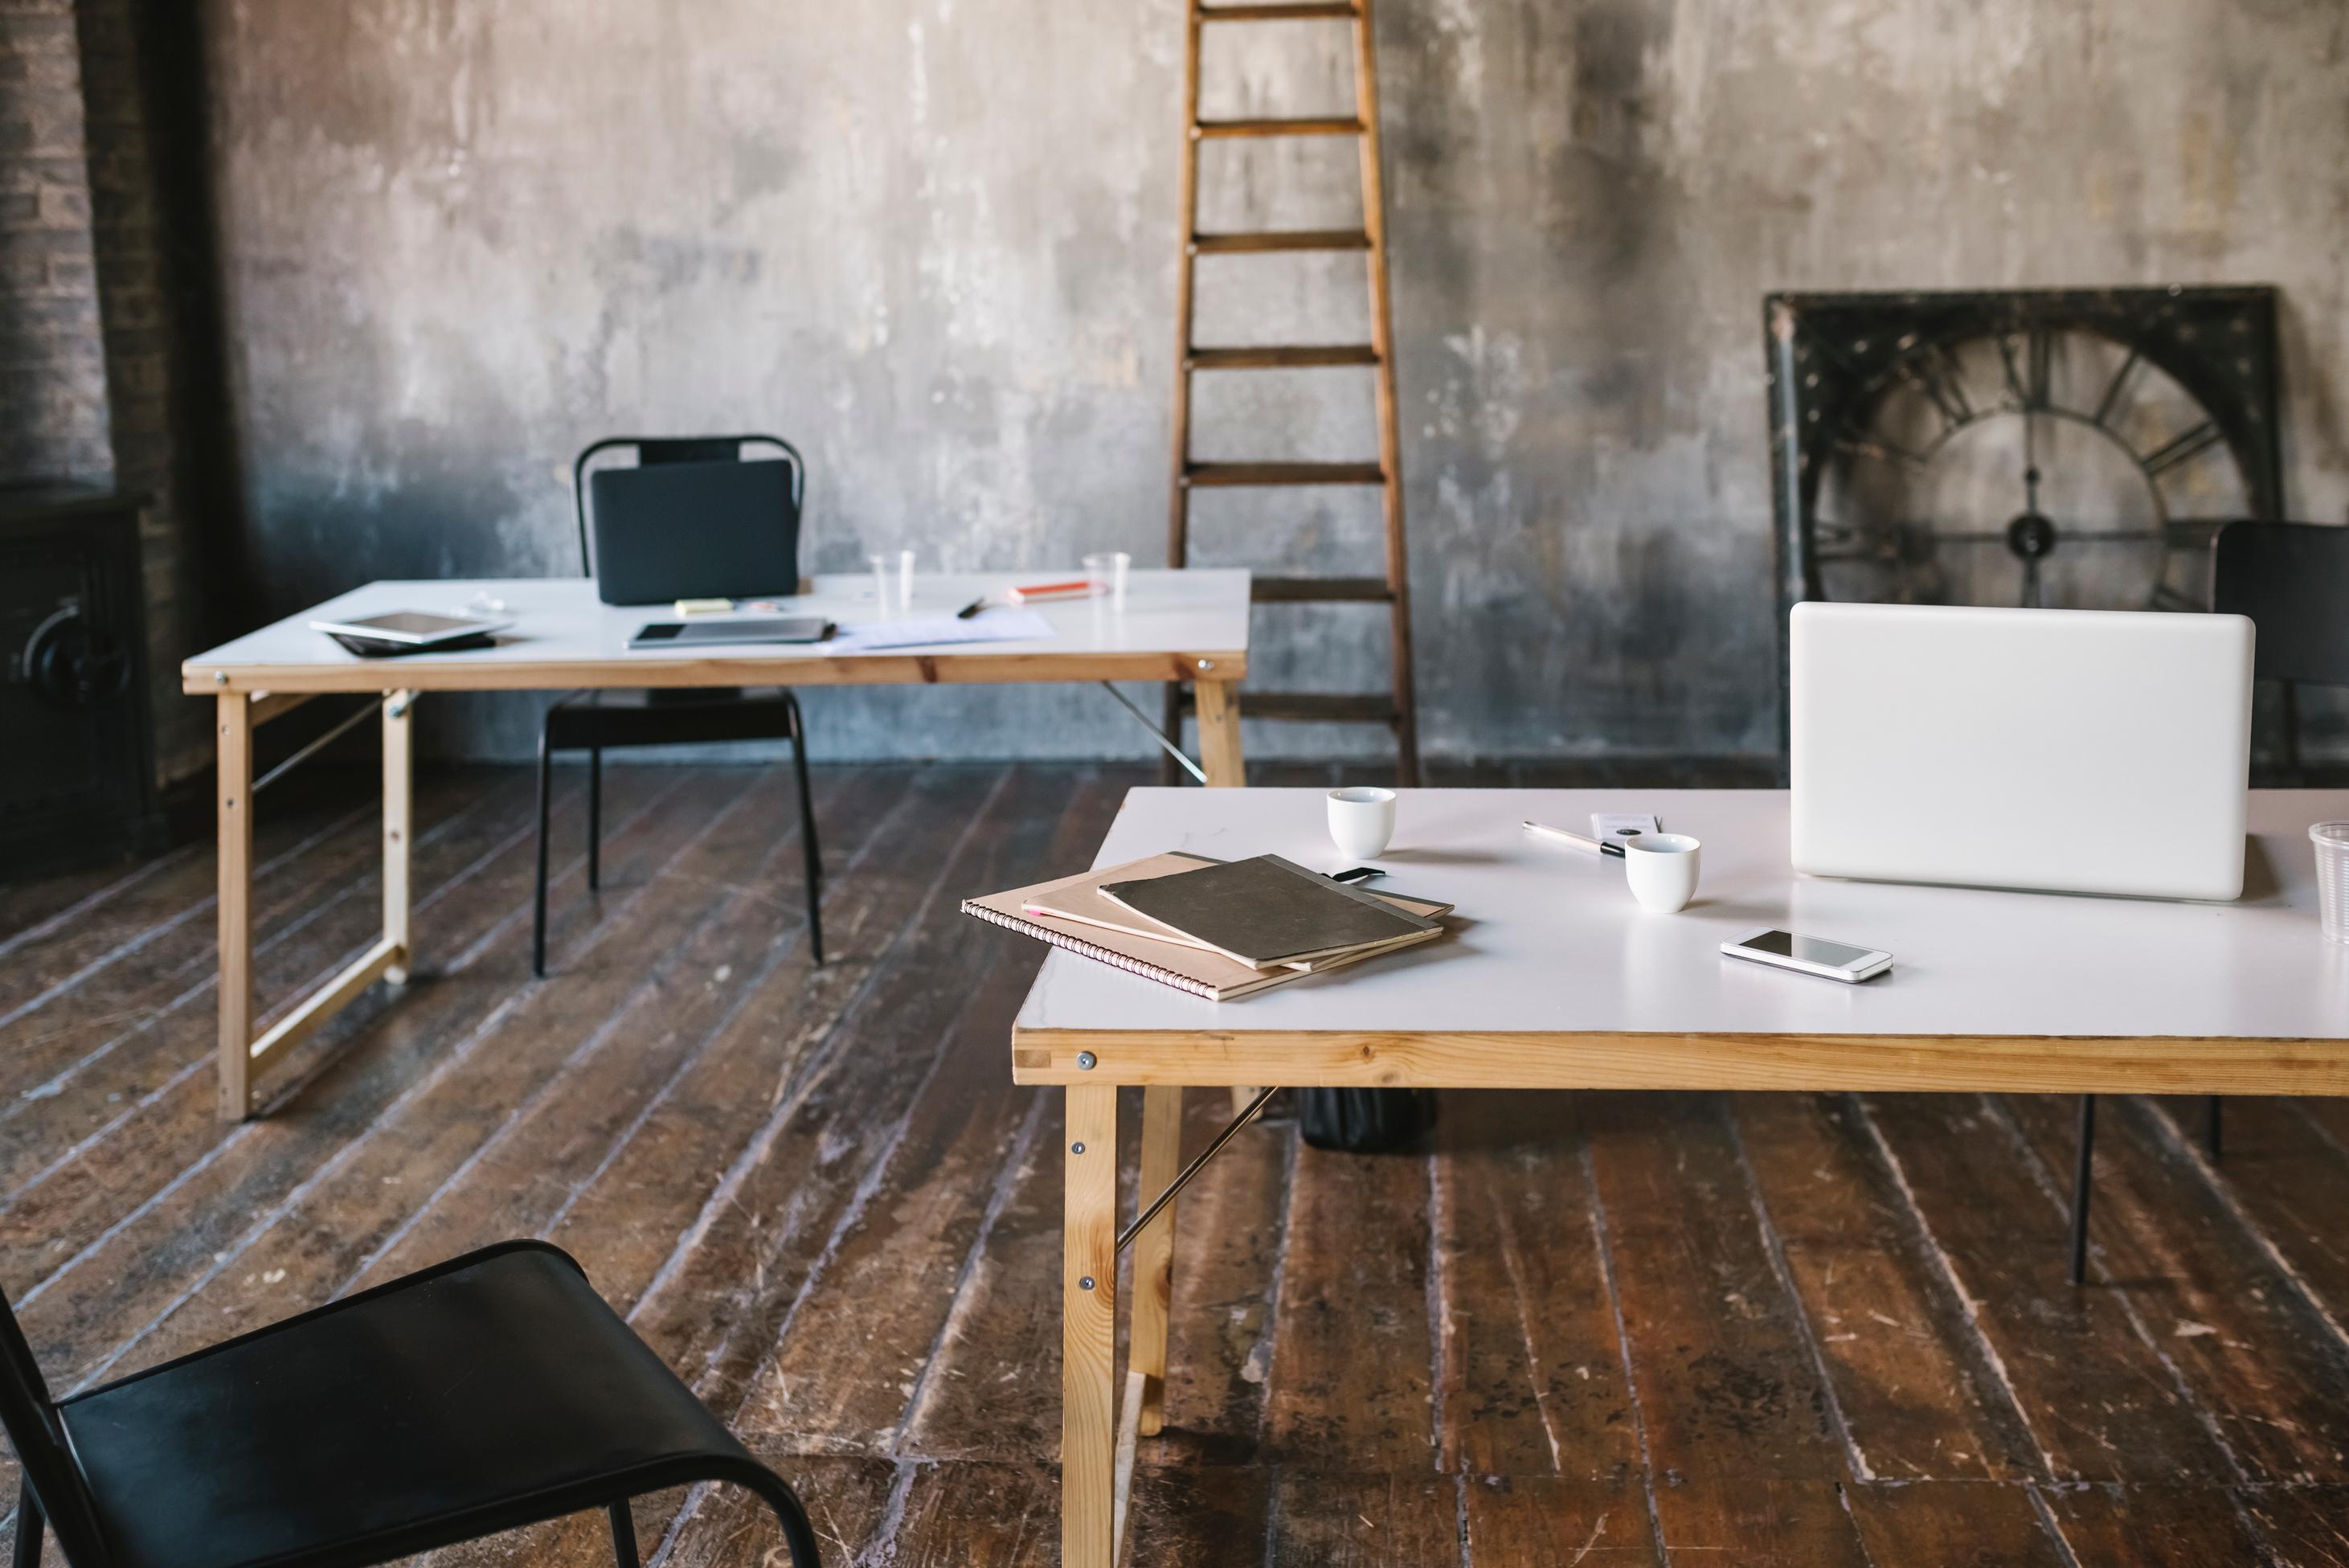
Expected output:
{"points": [[29, 1522], [808, 848], [2211, 1126], [797, 1531], [623, 1535], [2080, 1187], [595, 817], [538, 902]]}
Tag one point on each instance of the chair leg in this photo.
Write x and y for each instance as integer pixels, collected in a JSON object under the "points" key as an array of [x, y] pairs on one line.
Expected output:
{"points": [[2210, 1124], [28, 1527], [807, 834], [797, 1532], [538, 901], [2080, 1187], [623, 1535], [595, 817]]}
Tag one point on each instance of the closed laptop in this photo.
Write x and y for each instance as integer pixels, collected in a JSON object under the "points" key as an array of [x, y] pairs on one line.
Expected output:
{"points": [[2066, 750], [675, 531]]}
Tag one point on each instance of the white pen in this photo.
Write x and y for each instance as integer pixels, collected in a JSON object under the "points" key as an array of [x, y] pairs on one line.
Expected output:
{"points": [[1574, 840]]}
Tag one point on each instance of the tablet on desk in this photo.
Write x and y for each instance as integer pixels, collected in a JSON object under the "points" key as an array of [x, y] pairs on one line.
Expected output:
{"points": [[411, 628], [729, 633], [402, 632]]}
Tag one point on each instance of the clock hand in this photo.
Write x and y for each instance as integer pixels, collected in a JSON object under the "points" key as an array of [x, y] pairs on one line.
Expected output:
{"points": [[2031, 535], [2030, 461]]}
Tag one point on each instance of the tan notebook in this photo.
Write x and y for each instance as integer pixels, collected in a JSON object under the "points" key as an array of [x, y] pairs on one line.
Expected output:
{"points": [[1201, 972], [1080, 899]]}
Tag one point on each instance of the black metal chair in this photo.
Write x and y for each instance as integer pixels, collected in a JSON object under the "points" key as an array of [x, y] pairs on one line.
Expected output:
{"points": [[492, 1391], [2290, 579], [596, 721]]}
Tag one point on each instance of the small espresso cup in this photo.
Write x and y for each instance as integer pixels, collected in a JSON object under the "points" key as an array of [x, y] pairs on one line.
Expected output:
{"points": [[1361, 820], [1661, 869]]}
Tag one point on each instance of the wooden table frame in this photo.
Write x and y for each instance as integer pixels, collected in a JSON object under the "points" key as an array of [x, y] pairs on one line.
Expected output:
{"points": [[248, 696], [1098, 1440], [2159, 997]]}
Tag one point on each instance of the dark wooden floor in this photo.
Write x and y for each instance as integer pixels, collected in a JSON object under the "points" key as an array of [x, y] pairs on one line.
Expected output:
{"points": [[1598, 1329]]}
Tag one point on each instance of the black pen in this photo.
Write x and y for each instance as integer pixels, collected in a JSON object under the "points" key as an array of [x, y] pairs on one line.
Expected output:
{"points": [[971, 609]]}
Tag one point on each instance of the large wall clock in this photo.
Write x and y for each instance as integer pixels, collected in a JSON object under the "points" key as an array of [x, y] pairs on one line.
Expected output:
{"points": [[2067, 448]]}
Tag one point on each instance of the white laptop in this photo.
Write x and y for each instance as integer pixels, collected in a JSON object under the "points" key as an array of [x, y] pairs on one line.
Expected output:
{"points": [[2080, 750]]}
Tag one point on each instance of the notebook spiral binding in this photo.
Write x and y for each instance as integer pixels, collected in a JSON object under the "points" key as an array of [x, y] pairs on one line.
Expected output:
{"points": [[1103, 955]]}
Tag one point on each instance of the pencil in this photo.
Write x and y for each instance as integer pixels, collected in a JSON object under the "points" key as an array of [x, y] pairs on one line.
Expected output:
{"points": [[1560, 835]]}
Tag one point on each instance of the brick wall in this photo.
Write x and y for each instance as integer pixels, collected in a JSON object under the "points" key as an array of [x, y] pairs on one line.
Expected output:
{"points": [[52, 382], [152, 252], [104, 272]]}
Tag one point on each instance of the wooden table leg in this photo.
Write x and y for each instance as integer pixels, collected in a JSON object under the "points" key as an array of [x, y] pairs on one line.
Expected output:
{"points": [[1219, 733], [234, 750], [399, 825], [1088, 1330], [1219, 753], [1153, 1253]]}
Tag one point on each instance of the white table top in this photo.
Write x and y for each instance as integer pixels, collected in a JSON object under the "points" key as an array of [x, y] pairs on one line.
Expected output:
{"points": [[1548, 939], [563, 635]]}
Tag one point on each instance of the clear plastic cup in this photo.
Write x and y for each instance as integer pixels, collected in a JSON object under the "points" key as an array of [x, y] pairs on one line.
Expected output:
{"points": [[2331, 841], [1105, 573], [881, 569]]}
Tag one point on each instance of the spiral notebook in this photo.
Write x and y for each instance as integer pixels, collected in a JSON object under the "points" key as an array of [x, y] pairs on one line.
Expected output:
{"points": [[1165, 958]]}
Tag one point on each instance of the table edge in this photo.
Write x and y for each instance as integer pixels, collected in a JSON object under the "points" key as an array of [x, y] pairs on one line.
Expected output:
{"points": [[201, 678], [1599, 1059]]}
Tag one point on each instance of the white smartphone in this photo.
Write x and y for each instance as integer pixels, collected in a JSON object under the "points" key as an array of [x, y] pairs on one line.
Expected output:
{"points": [[1810, 955]]}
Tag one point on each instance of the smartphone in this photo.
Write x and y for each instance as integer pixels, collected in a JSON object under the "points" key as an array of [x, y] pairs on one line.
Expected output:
{"points": [[1810, 955]]}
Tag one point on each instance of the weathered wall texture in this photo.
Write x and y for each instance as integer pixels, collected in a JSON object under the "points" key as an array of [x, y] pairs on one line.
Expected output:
{"points": [[52, 364], [103, 258], [933, 242]]}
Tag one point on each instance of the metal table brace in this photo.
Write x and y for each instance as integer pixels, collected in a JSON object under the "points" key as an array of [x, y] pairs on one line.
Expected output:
{"points": [[1182, 1179], [1169, 747]]}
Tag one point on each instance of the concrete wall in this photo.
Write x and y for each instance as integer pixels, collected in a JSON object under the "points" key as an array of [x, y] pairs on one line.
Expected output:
{"points": [[933, 242]]}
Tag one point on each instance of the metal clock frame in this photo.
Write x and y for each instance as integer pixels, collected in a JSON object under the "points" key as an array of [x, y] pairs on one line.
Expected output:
{"points": [[1833, 358]]}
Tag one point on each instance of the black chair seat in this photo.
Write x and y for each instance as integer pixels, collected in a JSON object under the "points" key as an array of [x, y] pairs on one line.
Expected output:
{"points": [[683, 716], [492, 1392]]}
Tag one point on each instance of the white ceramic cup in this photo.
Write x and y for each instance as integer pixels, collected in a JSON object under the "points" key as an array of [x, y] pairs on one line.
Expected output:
{"points": [[1361, 820], [1661, 869]]}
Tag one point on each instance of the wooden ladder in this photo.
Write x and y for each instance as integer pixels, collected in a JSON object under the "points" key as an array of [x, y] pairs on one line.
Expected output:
{"points": [[1394, 706]]}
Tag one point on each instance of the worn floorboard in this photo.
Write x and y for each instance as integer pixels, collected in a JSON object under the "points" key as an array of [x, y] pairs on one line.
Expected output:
{"points": [[1626, 1332]]}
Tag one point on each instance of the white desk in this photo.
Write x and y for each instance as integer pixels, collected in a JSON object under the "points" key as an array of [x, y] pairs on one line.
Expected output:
{"points": [[1555, 979], [1177, 626], [563, 639]]}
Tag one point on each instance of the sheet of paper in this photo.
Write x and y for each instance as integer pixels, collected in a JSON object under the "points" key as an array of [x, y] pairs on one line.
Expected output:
{"points": [[1611, 827], [933, 631]]}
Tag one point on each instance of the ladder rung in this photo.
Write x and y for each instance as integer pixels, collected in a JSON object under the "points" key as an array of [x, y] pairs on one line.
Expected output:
{"points": [[1281, 240], [1233, 473], [1282, 357], [1321, 590], [1221, 127], [1297, 13], [1312, 707]]}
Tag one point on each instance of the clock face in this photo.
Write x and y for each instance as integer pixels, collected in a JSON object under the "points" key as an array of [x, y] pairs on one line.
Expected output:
{"points": [[2043, 465]]}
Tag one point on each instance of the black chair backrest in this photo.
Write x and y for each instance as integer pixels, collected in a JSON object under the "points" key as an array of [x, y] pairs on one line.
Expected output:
{"points": [[652, 451], [31, 1417], [2293, 580]]}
